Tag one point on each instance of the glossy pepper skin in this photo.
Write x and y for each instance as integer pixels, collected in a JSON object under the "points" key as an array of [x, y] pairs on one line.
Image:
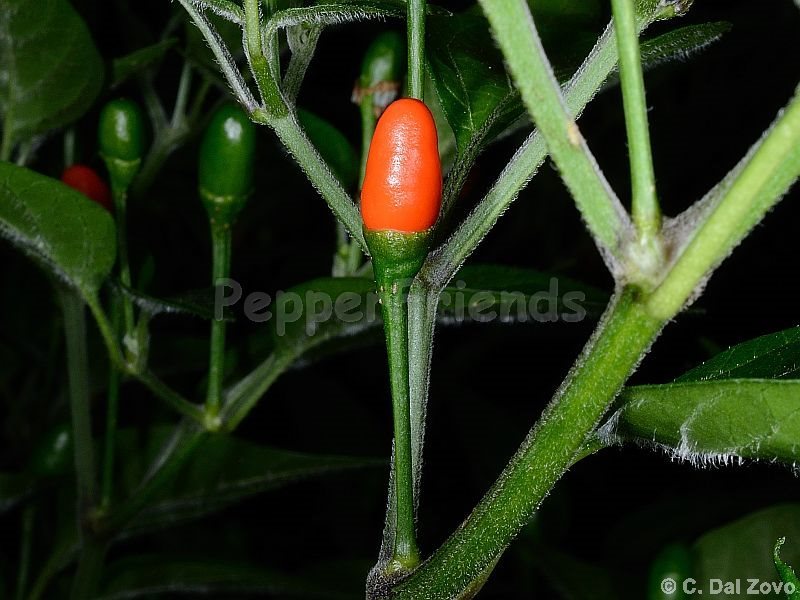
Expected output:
{"points": [[89, 183], [226, 164], [402, 189], [121, 140]]}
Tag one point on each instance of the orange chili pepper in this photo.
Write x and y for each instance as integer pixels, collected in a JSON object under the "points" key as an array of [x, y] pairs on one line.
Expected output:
{"points": [[402, 188]]}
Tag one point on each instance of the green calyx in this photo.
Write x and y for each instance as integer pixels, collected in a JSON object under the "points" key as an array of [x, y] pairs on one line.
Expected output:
{"points": [[226, 163], [121, 140], [396, 255]]}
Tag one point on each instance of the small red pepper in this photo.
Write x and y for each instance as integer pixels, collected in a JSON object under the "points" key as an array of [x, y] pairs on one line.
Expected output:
{"points": [[402, 188], [89, 183]]}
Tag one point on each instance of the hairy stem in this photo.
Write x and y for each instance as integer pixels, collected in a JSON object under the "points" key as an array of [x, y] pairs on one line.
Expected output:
{"points": [[624, 335], [405, 555], [645, 208], [416, 48], [516, 34]]}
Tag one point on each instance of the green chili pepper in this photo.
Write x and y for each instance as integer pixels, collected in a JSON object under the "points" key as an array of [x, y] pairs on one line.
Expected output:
{"points": [[669, 570], [382, 71], [226, 163], [53, 455], [121, 139]]}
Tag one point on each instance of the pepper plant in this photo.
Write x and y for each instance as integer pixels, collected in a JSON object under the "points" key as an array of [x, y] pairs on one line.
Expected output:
{"points": [[442, 92]]}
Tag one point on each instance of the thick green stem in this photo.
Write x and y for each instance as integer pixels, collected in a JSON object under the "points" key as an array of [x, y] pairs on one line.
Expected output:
{"points": [[221, 266], [516, 34], [78, 377], [645, 207], [405, 555], [442, 264], [623, 337], [90, 568], [416, 48]]}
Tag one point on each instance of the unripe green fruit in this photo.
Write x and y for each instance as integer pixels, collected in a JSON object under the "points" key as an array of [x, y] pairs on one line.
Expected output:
{"points": [[121, 140]]}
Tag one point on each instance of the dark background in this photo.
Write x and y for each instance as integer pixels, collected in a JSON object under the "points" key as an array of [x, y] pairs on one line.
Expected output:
{"points": [[490, 382]]}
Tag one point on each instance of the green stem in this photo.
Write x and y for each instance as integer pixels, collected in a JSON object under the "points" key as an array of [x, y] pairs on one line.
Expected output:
{"points": [[772, 167], [405, 555], [292, 136], [112, 407], [259, 65], [221, 266], [90, 568], [26, 546], [625, 334], [78, 376], [416, 48], [241, 398], [226, 62], [7, 144], [172, 398], [645, 208], [185, 441], [120, 210], [182, 97], [162, 391], [516, 34]]}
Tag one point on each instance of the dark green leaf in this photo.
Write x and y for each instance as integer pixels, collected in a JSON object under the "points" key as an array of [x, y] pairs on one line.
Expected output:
{"points": [[125, 67], [507, 294], [224, 471], [712, 422], [155, 576], [334, 147], [198, 303], [744, 550], [786, 572], [328, 309], [773, 356], [50, 70], [71, 236]]}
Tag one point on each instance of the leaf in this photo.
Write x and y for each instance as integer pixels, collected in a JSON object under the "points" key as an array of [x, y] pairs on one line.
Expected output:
{"points": [[68, 234], [125, 67], [773, 356], [50, 70], [334, 147], [742, 403], [329, 309], [152, 576], [786, 572], [712, 422], [196, 303], [484, 293], [743, 550], [224, 471]]}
